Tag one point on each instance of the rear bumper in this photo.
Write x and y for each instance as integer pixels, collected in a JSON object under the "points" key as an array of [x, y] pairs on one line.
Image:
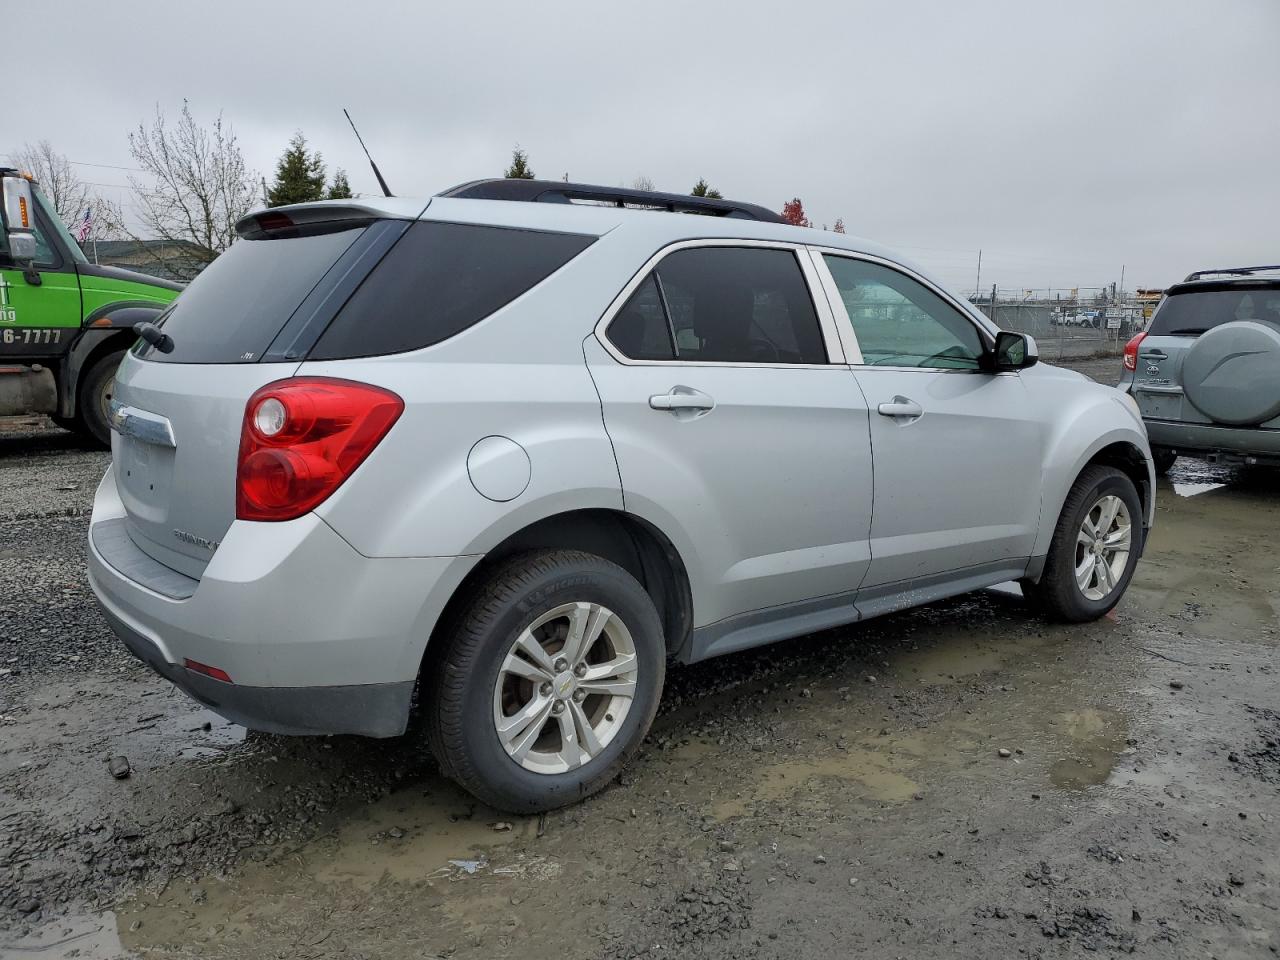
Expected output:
{"points": [[1210, 438], [368, 709], [316, 638]]}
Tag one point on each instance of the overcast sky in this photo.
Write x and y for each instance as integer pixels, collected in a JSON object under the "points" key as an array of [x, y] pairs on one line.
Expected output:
{"points": [[1063, 139]]}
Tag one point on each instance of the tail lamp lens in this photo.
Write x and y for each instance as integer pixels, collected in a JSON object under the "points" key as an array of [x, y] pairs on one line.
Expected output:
{"points": [[1131, 351], [302, 438]]}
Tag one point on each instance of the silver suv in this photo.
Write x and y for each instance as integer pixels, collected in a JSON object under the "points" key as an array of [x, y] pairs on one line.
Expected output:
{"points": [[515, 449], [1206, 371]]}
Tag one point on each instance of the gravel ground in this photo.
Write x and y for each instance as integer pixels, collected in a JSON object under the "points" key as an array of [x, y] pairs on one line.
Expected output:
{"points": [[844, 794]]}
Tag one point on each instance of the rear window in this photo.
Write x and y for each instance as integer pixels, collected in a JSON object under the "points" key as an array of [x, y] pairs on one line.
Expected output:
{"points": [[437, 281], [1191, 313], [232, 311]]}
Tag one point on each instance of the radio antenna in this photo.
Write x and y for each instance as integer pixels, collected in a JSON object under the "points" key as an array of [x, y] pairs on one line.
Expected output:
{"points": [[386, 191]]}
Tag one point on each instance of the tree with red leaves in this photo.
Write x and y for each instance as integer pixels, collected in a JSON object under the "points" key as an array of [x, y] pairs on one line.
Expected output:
{"points": [[793, 213], [839, 227]]}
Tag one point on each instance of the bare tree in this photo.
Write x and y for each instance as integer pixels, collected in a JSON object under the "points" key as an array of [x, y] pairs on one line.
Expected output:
{"points": [[642, 183], [57, 179], [198, 187]]}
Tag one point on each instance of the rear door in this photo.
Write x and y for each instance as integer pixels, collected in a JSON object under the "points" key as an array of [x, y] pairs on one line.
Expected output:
{"points": [[178, 414], [732, 425], [957, 454]]}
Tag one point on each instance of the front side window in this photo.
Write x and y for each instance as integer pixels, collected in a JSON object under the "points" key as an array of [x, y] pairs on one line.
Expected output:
{"points": [[722, 305], [900, 322]]}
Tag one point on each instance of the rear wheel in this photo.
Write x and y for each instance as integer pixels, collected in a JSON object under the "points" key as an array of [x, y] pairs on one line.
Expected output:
{"points": [[94, 400], [549, 681], [1163, 458], [1094, 550]]}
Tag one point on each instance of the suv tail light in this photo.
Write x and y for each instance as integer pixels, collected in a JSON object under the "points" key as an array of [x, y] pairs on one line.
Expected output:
{"points": [[302, 438], [1131, 351]]}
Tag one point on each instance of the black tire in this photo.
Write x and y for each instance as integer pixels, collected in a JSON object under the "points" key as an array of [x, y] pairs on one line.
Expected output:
{"points": [[1163, 458], [462, 674], [1057, 593], [94, 397]]}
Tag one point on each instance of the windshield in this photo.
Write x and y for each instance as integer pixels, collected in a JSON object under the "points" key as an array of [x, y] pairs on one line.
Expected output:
{"points": [[1191, 313], [51, 221]]}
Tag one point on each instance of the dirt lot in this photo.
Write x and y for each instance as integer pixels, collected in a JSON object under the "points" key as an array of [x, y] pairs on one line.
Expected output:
{"points": [[838, 795]]}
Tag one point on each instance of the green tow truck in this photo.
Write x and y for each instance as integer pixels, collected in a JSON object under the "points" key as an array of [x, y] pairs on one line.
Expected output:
{"points": [[64, 322]]}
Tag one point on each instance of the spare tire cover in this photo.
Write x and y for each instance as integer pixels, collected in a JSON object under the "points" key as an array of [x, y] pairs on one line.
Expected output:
{"points": [[1232, 373]]}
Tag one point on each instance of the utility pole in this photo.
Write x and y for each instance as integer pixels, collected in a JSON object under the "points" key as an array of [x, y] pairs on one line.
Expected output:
{"points": [[993, 303], [1122, 281], [977, 284]]}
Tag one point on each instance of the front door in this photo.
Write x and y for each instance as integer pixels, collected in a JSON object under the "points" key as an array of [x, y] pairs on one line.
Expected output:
{"points": [[957, 456], [734, 432], [39, 320]]}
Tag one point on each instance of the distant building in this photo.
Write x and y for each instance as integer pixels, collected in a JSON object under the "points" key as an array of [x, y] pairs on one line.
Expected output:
{"points": [[167, 259]]}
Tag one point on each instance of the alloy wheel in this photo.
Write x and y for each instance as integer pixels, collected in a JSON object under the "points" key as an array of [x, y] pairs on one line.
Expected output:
{"points": [[565, 688], [1102, 547]]}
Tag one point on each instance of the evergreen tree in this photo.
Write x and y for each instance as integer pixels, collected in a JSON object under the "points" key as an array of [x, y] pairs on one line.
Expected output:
{"points": [[519, 169], [299, 175], [702, 189], [340, 188]]}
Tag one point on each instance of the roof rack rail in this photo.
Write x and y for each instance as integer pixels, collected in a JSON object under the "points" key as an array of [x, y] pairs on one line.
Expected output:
{"points": [[556, 191], [1231, 272]]}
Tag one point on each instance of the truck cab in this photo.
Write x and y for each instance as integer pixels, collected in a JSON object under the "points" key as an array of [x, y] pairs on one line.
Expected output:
{"points": [[64, 322]]}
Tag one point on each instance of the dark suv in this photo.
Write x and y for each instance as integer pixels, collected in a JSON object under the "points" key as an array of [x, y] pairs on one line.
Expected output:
{"points": [[1206, 372]]}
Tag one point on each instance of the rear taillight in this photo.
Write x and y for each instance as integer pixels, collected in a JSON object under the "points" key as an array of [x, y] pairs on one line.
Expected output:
{"points": [[1131, 351], [302, 438]]}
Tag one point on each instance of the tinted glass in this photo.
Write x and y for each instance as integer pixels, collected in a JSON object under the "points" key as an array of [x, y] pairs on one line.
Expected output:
{"points": [[439, 279], [640, 328], [1191, 314], [900, 322], [233, 310], [740, 305]]}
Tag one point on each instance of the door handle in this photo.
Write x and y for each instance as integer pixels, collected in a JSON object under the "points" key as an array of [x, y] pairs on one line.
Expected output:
{"points": [[1154, 355], [901, 407], [681, 398]]}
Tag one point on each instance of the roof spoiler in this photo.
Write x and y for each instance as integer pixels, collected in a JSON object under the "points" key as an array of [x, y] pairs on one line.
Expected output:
{"points": [[1231, 272], [261, 223], [556, 191]]}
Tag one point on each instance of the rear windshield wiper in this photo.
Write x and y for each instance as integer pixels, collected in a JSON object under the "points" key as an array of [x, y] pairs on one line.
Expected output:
{"points": [[154, 336]]}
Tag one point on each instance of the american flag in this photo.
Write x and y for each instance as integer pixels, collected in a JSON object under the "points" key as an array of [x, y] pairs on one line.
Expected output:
{"points": [[82, 232]]}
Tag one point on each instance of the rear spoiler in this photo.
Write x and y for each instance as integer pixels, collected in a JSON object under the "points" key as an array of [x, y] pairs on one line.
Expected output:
{"points": [[261, 223]]}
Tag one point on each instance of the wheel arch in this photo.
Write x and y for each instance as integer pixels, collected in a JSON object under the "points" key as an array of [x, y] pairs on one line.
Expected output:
{"points": [[106, 330], [1123, 447], [623, 538]]}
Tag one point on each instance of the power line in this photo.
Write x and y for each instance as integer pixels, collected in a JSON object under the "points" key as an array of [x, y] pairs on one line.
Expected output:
{"points": [[86, 163]]}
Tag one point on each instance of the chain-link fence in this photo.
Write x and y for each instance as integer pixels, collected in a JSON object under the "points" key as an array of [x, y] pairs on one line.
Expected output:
{"points": [[1062, 331]]}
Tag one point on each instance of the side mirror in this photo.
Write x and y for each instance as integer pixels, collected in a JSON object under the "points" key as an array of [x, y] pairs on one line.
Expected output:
{"points": [[1012, 351], [19, 220]]}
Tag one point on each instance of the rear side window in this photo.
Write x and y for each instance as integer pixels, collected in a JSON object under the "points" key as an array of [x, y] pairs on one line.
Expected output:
{"points": [[233, 310], [1191, 313], [722, 305], [438, 280]]}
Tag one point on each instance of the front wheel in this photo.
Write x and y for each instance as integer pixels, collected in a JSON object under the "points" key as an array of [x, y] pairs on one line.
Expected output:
{"points": [[1095, 548], [548, 683], [94, 400]]}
